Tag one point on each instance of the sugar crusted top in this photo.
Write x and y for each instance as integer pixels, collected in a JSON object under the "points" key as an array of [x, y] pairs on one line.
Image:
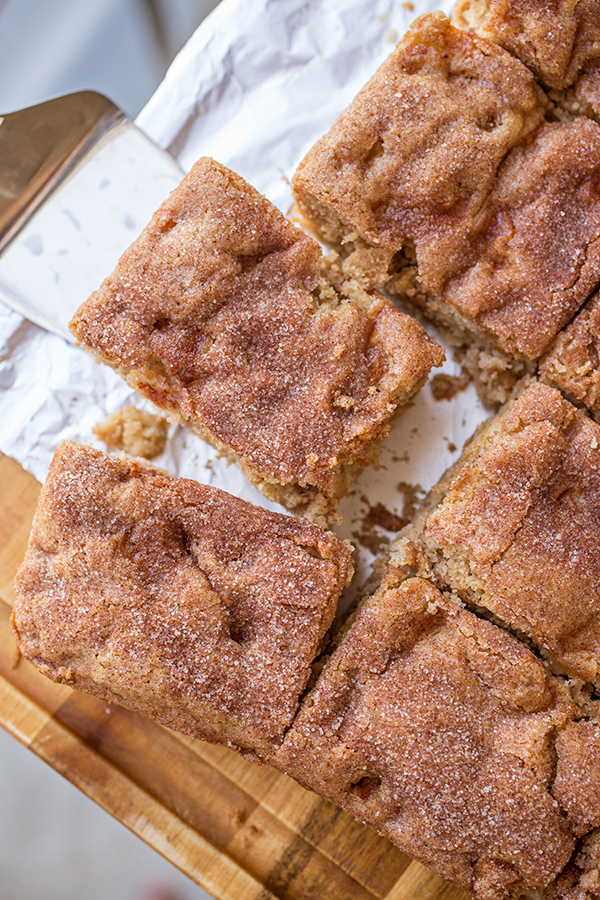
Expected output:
{"points": [[446, 148], [437, 728], [534, 255], [416, 153], [219, 311], [525, 517], [175, 598]]}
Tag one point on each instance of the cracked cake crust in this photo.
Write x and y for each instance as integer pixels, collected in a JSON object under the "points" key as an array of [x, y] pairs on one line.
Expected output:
{"points": [[573, 362], [467, 204], [534, 256], [415, 154], [559, 41]]}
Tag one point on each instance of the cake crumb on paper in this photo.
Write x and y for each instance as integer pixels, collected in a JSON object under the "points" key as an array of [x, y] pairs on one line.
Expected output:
{"points": [[379, 519], [412, 494], [384, 518], [134, 431], [445, 387]]}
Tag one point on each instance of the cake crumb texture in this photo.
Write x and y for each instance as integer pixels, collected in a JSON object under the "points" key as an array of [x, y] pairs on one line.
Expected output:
{"points": [[134, 431], [446, 387]]}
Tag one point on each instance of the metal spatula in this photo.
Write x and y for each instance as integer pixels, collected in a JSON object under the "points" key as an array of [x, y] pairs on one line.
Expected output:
{"points": [[78, 183]]}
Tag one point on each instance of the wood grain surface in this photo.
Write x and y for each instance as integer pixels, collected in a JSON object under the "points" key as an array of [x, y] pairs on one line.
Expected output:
{"points": [[241, 831]]}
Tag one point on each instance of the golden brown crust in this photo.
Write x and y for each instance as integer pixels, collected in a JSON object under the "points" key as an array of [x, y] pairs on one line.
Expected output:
{"points": [[534, 256], [572, 363], [175, 599], [518, 529], [219, 314], [438, 729], [556, 39], [446, 150]]}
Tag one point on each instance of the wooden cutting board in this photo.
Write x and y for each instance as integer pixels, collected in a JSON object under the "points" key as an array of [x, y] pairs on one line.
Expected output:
{"points": [[241, 831]]}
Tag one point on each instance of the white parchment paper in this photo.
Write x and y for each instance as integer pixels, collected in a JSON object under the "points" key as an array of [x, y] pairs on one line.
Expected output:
{"points": [[258, 83]]}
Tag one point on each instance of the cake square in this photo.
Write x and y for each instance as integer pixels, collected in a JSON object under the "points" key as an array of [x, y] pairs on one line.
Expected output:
{"points": [[414, 156], [513, 528], [225, 315], [175, 599], [531, 259], [477, 211], [439, 729], [534, 256]]}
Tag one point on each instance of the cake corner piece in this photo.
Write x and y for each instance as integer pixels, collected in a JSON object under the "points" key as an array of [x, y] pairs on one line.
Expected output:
{"points": [[439, 730], [512, 528], [445, 180], [175, 599], [225, 315]]}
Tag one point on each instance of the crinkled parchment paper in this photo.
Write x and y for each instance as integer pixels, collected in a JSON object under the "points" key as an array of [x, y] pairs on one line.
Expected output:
{"points": [[258, 83]]}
